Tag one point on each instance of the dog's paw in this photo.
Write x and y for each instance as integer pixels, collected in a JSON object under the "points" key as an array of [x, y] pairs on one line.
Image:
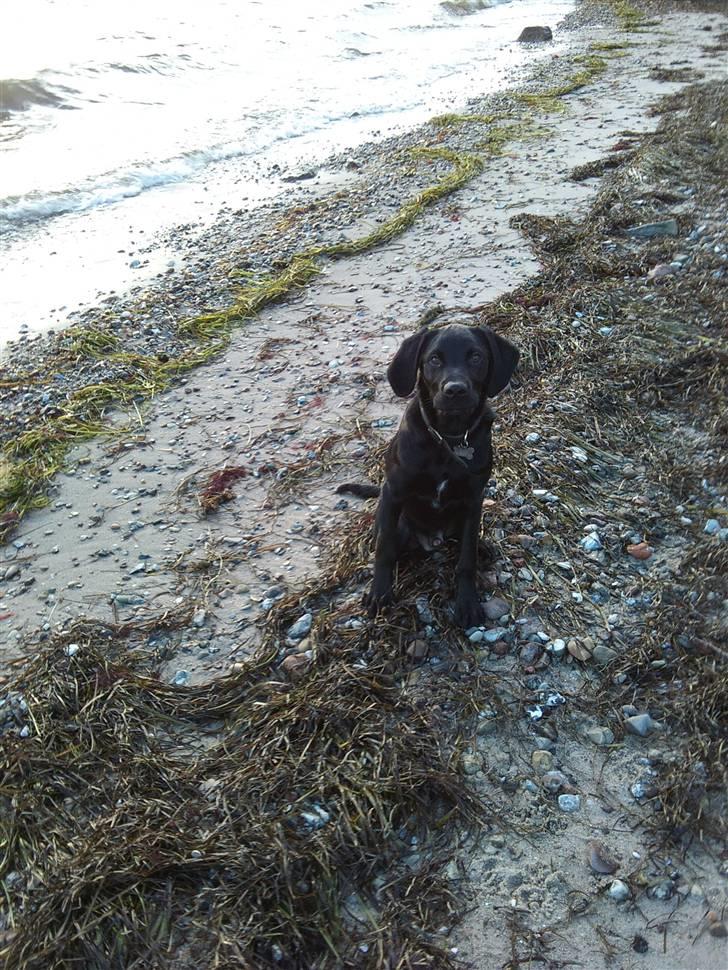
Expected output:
{"points": [[377, 600], [469, 612]]}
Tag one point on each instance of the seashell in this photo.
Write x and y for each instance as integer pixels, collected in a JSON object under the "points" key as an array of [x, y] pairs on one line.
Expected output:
{"points": [[598, 857]]}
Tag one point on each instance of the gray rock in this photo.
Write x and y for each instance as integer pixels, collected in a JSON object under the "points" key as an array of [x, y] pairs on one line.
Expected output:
{"points": [[535, 35], [301, 627], [542, 761], [495, 608], [461, 8], [497, 633], [554, 781], [569, 803], [199, 618], [591, 543], [603, 655], [181, 678], [663, 890], [601, 736], [12, 571], [641, 725], [712, 527], [650, 229], [618, 891]]}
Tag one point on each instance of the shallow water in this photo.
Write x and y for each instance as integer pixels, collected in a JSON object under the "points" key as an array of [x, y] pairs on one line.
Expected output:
{"points": [[117, 120]]}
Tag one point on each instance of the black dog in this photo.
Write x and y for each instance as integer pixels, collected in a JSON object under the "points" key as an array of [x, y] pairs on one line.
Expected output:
{"points": [[439, 461]]}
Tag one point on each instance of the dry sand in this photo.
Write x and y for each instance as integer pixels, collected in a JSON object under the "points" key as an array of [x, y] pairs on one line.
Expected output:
{"points": [[299, 400]]}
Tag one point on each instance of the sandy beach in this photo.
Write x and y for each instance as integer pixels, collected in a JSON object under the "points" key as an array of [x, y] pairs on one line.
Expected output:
{"points": [[193, 536]]}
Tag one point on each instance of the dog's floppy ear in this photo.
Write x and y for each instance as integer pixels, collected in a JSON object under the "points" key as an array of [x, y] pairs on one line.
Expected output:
{"points": [[402, 372], [504, 358]]}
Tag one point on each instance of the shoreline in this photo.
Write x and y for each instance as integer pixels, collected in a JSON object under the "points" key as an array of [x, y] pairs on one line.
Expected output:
{"points": [[569, 745]]}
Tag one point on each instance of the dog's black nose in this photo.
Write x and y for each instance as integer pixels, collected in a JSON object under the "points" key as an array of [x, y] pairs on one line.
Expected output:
{"points": [[454, 389]]}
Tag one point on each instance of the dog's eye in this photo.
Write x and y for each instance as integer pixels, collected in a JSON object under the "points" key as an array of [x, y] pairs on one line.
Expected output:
{"points": [[475, 357], [434, 360]]}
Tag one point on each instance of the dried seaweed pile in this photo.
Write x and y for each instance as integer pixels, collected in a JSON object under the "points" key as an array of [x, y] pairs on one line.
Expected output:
{"points": [[251, 822]]}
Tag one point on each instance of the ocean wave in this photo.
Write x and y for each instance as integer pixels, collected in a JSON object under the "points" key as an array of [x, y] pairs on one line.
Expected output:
{"points": [[20, 95]]}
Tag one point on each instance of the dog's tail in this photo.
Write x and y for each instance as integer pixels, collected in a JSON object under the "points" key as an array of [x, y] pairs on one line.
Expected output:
{"points": [[361, 491]]}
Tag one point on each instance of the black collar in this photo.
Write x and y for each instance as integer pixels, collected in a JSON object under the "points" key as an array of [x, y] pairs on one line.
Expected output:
{"points": [[460, 451]]}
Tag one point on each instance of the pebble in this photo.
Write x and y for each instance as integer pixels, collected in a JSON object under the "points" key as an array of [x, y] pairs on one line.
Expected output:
{"points": [[12, 571], [557, 648], [295, 665], [301, 627], [591, 543], [495, 608], [601, 736], [532, 438], [641, 725], [199, 618], [718, 930], [71, 649], [712, 526], [497, 633], [663, 890], [569, 803], [542, 761], [649, 229], [554, 781], [640, 550], [618, 891], [603, 655], [181, 678]]}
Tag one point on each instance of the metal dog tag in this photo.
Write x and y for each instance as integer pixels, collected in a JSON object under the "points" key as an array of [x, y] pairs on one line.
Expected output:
{"points": [[463, 451]]}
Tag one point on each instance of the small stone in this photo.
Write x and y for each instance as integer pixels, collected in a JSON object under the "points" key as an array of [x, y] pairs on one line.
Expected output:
{"points": [[629, 471], [601, 736], [603, 655], [661, 271], [301, 628], [718, 930], [497, 633], [295, 665], [640, 550], [530, 653], [712, 526], [199, 618], [554, 781], [542, 761], [495, 608], [532, 438], [476, 635], [618, 891], [417, 650], [181, 678], [569, 803], [641, 725], [578, 651], [12, 571], [591, 543], [71, 649], [663, 890]]}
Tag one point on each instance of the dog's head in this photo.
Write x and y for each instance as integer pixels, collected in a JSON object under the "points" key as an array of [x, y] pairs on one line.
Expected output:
{"points": [[458, 367]]}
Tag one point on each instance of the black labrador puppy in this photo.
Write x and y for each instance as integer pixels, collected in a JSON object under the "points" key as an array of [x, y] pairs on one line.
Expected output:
{"points": [[438, 463]]}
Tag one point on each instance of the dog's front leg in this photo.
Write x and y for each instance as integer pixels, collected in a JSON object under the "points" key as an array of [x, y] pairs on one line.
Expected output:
{"points": [[468, 611], [387, 550]]}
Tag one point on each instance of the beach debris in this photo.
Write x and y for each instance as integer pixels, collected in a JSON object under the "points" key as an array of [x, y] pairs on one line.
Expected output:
{"points": [[217, 488], [619, 891], [599, 858], [651, 229], [554, 781]]}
